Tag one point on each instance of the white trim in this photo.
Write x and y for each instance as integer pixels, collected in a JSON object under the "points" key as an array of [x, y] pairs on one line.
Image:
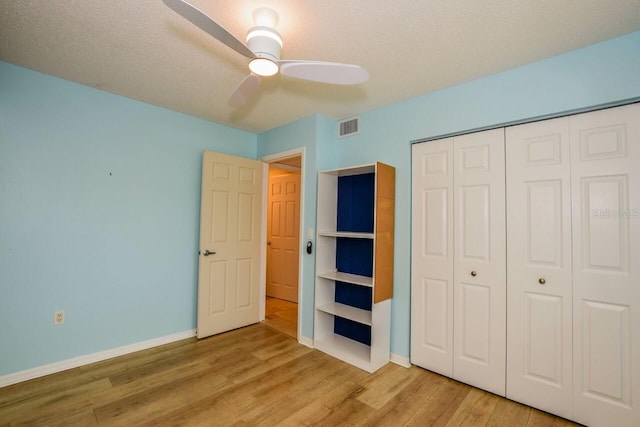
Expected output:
{"points": [[400, 360], [294, 152], [75, 362], [305, 341], [262, 290], [272, 158], [284, 167]]}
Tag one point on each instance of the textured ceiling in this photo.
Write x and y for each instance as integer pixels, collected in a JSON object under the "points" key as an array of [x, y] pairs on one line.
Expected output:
{"points": [[143, 50]]}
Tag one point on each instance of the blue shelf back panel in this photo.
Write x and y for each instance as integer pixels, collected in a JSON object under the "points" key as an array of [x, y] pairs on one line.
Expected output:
{"points": [[354, 295], [355, 203], [354, 256], [352, 330]]}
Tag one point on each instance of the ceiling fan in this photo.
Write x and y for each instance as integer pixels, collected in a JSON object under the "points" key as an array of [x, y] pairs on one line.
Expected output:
{"points": [[263, 49]]}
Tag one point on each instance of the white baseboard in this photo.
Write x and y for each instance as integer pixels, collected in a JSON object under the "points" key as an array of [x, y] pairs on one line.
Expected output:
{"points": [[75, 362], [305, 341], [400, 360]]}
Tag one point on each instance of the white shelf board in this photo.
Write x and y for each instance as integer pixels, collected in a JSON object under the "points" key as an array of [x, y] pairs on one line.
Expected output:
{"points": [[347, 278], [349, 234], [343, 348], [346, 311], [354, 170]]}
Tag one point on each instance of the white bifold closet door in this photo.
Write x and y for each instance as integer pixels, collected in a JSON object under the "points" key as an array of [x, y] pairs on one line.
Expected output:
{"points": [[570, 317], [573, 215], [479, 273], [605, 190], [539, 289], [458, 259], [432, 256]]}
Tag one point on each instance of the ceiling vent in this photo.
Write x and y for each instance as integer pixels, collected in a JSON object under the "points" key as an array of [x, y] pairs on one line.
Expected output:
{"points": [[348, 127]]}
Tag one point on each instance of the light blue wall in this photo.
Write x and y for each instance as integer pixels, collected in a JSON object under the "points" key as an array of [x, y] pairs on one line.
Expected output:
{"points": [[99, 195], [99, 216], [601, 74], [302, 133]]}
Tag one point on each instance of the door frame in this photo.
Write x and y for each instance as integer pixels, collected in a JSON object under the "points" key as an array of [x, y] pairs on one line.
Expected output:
{"points": [[274, 158]]}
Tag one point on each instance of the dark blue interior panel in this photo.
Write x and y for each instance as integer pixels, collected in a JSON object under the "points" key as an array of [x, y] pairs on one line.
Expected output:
{"points": [[352, 330], [354, 256], [354, 295], [355, 213], [355, 203]]}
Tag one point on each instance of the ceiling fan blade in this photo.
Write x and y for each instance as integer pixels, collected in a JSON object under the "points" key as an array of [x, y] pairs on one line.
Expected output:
{"points": [[325, 72], [202, 21], [245, 90]]}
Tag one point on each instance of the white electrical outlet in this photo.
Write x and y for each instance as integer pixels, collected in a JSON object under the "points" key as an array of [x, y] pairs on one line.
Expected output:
{"points": [[58, 318]]}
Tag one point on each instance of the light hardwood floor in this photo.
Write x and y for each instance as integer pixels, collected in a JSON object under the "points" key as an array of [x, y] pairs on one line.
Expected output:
{"points": [[282, 316], [252, 376]]}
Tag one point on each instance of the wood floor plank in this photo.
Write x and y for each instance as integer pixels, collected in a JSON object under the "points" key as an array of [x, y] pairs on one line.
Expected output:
{"points": [[385, 384], [150, 369], [162, 400], [441, 406], [81, 418], [312, 385], [263, 366], [314, 411], [268, 351], [60, 402], [129, 361], [278, 384], [252, 376], [309, 380], [143, 385], [217, 413], [475, 409], [509, 413], [350, 412], [15, 393], [401, 408], [282, 316], [543, 419]]}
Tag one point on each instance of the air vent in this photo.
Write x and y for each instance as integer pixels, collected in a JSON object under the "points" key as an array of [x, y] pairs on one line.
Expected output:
{"points": [[348, 127]]}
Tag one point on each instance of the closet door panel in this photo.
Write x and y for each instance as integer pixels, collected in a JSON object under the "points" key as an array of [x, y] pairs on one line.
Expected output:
{"points": [[432, 257], [539, 349], [479, 261], [605, 149]]}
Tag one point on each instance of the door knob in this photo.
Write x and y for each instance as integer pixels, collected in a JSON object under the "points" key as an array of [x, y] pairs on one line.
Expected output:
{"points": [[207, 252], [269, 243], [542, 281], [474, 274]]}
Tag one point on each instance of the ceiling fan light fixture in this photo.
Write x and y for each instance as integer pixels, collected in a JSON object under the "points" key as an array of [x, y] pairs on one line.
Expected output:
{"points": [[263, 67], [265, 17], [266, 45], [258, 33], [263, 49]]}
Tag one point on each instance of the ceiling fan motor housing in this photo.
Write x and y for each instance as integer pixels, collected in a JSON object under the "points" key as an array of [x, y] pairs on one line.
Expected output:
{"points": [[265, 42]]}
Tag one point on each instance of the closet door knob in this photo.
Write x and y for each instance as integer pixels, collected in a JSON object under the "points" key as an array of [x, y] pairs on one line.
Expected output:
{"points": [[474, 274], [542, 281]]}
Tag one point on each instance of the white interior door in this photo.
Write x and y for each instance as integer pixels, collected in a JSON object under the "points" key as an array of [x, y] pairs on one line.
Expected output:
{"points": [[479, 260], [230, 243], [432, 256], [283, 236], [605, 181], [539, 290]]}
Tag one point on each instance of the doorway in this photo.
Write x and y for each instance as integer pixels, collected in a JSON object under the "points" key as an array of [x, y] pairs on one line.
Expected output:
{"points": [[283, 243]]}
